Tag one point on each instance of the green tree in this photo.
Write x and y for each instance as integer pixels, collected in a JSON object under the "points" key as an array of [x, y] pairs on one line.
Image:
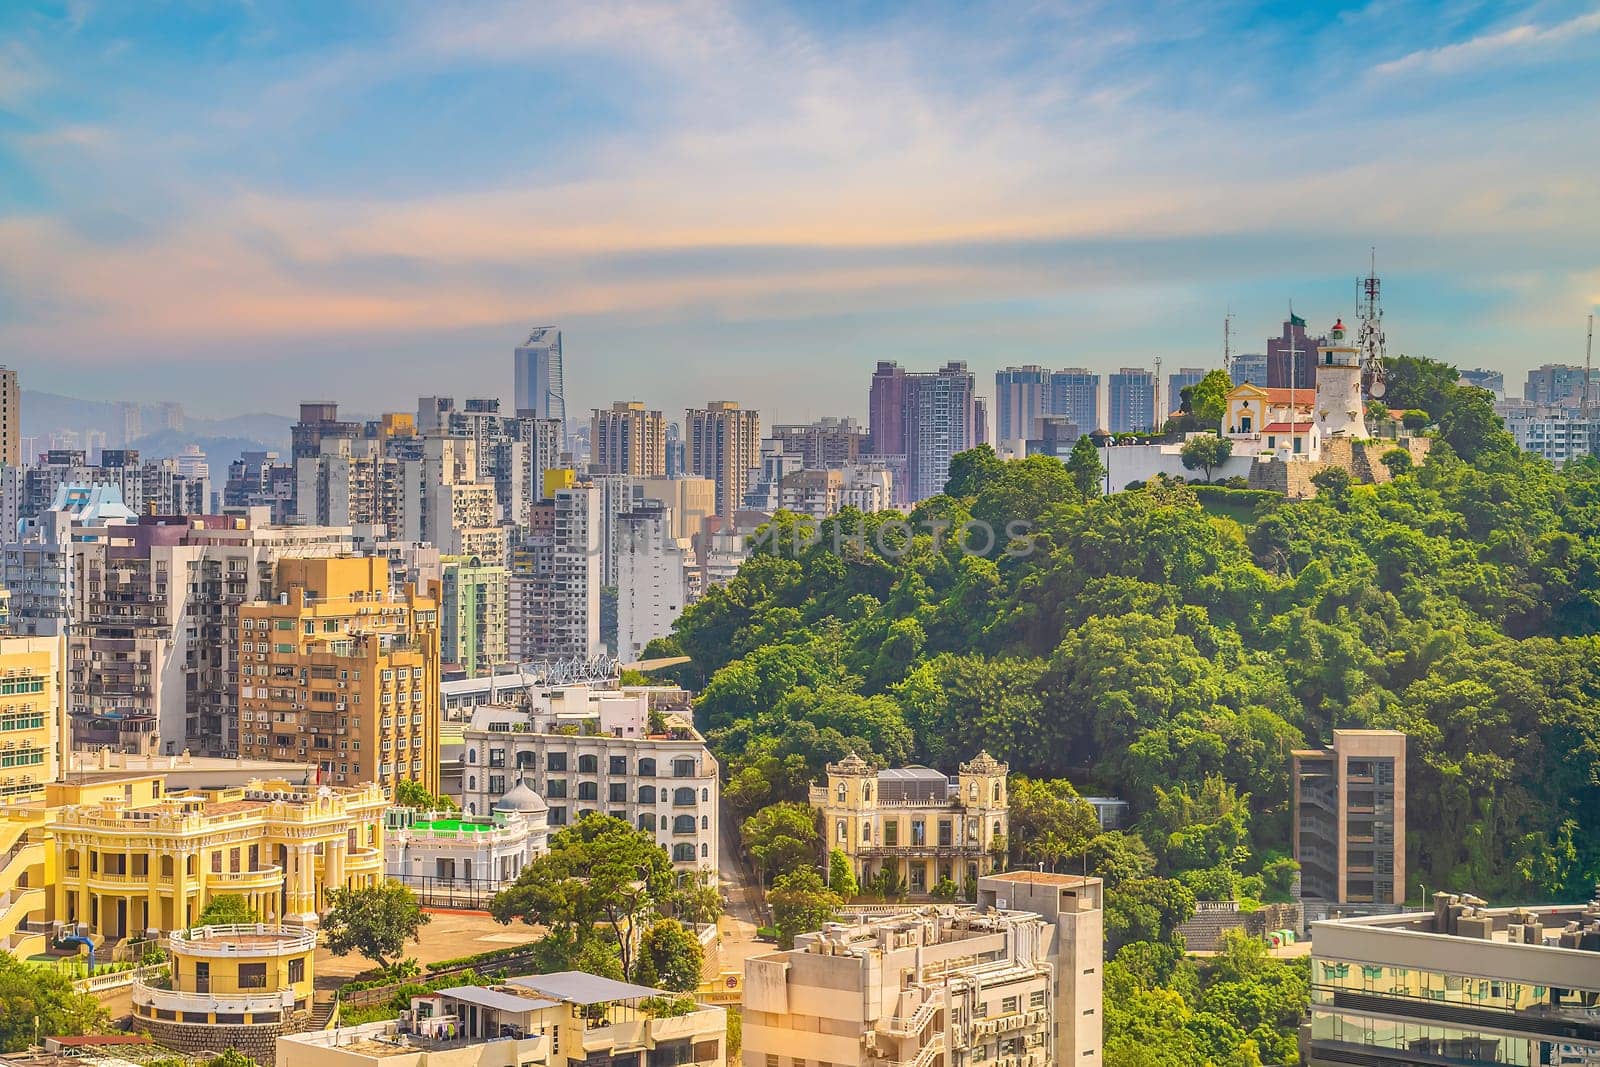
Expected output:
{"points": [[375, 921], [1049, 822], [1334, 481], [1424, 384], [226, 909], [412, 794], [1415, 419], [1398, 460], [1146, 909], [1470, 426], [600, 876], [29, 991], [801, 903], [670, 957], [1206, 452], [231, 1058], [841, 878], [782, 838], [972, 471], [1208, 399], [1083, 463]]}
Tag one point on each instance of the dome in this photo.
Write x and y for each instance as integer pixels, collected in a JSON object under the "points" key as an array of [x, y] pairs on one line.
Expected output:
{"points": [[522, 799]]}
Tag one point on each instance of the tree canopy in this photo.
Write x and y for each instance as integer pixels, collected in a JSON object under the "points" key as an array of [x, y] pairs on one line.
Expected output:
{"points": [[375, 921]]}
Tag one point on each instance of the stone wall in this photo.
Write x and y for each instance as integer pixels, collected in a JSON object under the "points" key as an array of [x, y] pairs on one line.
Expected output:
{"points": [[1363, 460], [258, 1041], [1212, 919]]}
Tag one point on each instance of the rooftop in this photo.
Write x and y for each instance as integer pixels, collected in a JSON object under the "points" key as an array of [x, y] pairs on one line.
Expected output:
{"points": [[580, 987], [1041, 878]]}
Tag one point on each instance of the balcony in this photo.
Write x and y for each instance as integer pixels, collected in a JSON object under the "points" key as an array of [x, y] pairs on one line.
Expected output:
{"points": [[242, 939], [147, 1000], [257, 878]]}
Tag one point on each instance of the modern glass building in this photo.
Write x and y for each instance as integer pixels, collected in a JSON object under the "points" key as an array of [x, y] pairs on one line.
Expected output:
{"points": [[1463, 985]]}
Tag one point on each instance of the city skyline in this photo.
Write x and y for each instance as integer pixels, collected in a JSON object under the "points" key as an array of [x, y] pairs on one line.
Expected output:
{"points": [[772, 199]]}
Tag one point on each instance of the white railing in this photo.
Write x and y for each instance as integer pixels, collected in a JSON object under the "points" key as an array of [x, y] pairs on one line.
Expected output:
{"points": [[153, 999], [230, 940]]}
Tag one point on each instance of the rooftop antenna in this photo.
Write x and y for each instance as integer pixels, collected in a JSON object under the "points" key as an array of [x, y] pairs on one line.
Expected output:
{"points": [[1294, 361], [1155, 415], [1373, 375], [1227, 342]]}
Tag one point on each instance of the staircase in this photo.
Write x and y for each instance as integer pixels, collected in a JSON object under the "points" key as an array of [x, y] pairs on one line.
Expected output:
{"points": [[322, 1014]]}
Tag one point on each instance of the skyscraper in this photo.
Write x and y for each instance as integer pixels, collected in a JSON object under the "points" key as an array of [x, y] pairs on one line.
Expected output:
{"points": [[724, 443], [940, 420], [10, 418], [1249, 367], [1132, 400], [1021, 394], [1304, 347], [886, 427], [627, 439], [1075, 393], [540, 389], [1177, 383]]}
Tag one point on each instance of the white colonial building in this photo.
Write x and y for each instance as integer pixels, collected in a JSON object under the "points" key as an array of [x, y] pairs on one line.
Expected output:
{"points": [[451, 850], [612, 752]]}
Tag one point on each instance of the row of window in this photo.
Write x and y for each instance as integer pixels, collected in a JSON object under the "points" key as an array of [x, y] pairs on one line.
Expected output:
{"points": [[587, 763]]}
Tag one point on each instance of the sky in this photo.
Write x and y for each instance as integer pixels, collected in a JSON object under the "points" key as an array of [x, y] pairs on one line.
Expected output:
{"points": [[242, 205]]}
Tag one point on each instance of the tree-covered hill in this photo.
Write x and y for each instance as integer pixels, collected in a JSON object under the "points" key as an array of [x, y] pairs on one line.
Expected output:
{"points": [[1145, 644]]}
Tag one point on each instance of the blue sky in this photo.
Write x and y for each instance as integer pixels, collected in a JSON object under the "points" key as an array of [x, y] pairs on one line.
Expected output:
{"points": [[244, 204]]}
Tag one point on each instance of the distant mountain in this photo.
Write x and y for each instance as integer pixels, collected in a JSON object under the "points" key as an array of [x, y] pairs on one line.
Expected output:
{"points": [[48, 414]]}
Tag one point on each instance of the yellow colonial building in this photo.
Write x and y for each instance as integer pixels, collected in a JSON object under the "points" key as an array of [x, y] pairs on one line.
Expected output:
{"points": [[229, 986], [337, 672], [135, 859]]}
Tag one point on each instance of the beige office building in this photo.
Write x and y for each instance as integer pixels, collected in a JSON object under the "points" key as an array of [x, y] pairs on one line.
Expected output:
{"points": [[1349, 819], [1014, 981], [627, 439], [723, 444], [10, 419]]}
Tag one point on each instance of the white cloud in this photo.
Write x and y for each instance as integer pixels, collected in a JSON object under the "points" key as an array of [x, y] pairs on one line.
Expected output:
{"points": [[1521, 41]]}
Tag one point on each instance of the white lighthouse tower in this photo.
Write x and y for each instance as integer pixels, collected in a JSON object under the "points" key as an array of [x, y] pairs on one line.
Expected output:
{"points": [[1339, 410]]}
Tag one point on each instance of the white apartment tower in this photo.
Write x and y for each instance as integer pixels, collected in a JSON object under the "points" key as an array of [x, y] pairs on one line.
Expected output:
{"points": [[652, 579]]}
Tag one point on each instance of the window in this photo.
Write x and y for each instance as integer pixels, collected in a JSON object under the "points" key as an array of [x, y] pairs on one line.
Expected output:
{"points": [[843, 832], [588, 765], [297, 970], [618, 765], [617, 792], [682, 798], [683, 853], [647, 768], [918, 832], [683, 824], [252, 976], [1036, 999], [945, 834], [556, 787], [647, 820], [558, 815], [588, 791], [647, 794], [555, 761], [683, 768], [891, 834], [1009, 1005]]}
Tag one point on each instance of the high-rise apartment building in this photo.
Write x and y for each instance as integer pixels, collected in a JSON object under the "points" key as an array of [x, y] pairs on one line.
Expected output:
{"points": [[677, 457], [1021, 394], [1249, 367], [652, 578], [939, 420], [1075, 394], [338, 673], [1483, 378], [1462, 984], [257, 479], [555, 580], [827, 444], [1558, 383], [1178, 382], [1349, 818], [1292, 356], [1131, 399], [540, 384], [33, 726], [10, 418], [627, 439], [691, 501], [724, 444], [886, 410], [1015, 980], [474, 598]]}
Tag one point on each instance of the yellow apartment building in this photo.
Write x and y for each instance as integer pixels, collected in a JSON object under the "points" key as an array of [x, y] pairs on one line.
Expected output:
{"points": [[336, 672], [230, 986], [31, 717], [131, 858]]}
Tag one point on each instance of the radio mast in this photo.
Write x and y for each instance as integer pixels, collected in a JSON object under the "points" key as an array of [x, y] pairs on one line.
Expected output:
{"points": [[1370, 339]]}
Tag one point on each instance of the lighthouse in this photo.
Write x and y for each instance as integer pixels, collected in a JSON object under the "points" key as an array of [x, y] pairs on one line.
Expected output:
{"points": [[1338, 407]]}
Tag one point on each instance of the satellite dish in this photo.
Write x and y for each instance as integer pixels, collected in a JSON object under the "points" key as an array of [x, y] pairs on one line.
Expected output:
{"points": [[1377, 388]]}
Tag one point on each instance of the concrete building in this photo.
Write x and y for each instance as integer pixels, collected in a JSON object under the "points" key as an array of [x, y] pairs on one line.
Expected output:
{"points": [[1348, 812], [555, 580], [229, 986], [1559, 434], [1482, 378], [1015, 980], [1559, 384], [474, 599], [539, 386], [587, 751], [652, 579], [627, 439], [826, 443], [337, 672], [1021, 394], [139, 858], [1292, 356], [1249, 367], [723, 443], [1131, 401], [691, 500], [886, 404], [33, 725], [1075, 394], [568, 1019], [940, 420], [1462, 984], [440, 854], [10, 419], [916, 823]]}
